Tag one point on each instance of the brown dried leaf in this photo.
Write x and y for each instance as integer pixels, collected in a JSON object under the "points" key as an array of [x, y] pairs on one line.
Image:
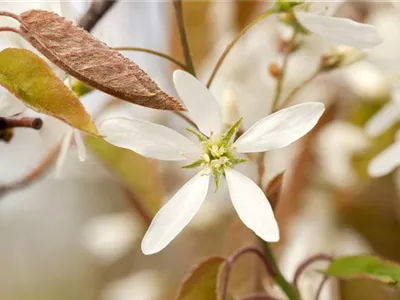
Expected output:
{"points": [[81, 55]]}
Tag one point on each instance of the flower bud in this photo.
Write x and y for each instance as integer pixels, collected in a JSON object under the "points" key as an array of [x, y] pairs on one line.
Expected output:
{"points": [[274, 70], [339, 57]]}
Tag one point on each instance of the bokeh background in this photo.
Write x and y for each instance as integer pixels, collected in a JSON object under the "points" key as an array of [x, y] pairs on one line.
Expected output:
{"points": [[78, 237]]}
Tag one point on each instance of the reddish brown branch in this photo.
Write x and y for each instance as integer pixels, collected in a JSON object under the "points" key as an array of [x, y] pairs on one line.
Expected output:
{"points": [[34, 123]]}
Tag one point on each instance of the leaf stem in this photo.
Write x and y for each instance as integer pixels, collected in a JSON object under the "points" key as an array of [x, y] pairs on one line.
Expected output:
{"points": [[11, 15], [301, 268], [183, 36], [157, 53], [282, 73], [234, 41], [9, 29], [231, 261], [290, 291]]}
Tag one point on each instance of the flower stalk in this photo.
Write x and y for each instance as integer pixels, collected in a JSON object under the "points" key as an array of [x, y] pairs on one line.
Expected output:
{"points": [[183, 36], [290, 291]]}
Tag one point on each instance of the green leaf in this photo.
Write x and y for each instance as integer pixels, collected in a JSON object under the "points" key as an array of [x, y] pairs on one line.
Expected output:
{"points": [[30, 79], [365, 266], [201, 284], [138, 173]]}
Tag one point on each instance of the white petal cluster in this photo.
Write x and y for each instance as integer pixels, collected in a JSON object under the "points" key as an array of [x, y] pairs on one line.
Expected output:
{"points": [[155, 141]]}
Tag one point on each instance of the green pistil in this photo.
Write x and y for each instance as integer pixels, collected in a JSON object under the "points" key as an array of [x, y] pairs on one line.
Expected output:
{"points": [[218, 154]]}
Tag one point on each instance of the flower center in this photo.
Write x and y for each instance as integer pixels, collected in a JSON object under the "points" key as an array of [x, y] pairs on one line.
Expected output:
{"points": [[218, 154]]}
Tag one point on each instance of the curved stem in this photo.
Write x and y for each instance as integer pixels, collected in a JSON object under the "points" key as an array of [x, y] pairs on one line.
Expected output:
{"points": [[321, 285], [298, 88], [258, 297], [9, 29], [304, 265], [290, 291], [183, 36], [281, 78], [11, 15], [157, 53], [33, 175], [231, 261], [232, 43]]}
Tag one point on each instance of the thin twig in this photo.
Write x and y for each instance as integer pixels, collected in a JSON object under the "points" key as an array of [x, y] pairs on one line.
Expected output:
{"points": [[231, 261], [157, 53], [304, 265], [136, 204], [282, 73], [94, 14], [258, 297], [33, 175], [234, 41], [321, 285], [298, 88], [34, 123], [183, 36]]}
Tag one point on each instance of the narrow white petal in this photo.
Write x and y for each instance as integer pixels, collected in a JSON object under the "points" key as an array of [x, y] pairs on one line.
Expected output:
{"points": [[323, 7], [280, 129], [10, 105], [62, 155], [175, 214], [341, 30], [383, 119], [252, 206], [148, 139], [201, 104], [80, 145], [386, 161]]}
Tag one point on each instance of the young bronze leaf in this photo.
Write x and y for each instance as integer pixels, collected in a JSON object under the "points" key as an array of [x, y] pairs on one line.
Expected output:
{"points": [[81, 55], [201, 284], [30, 78]]}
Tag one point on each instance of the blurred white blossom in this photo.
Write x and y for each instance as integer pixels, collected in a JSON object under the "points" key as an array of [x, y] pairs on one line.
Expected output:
{"points": [[110, 236]]}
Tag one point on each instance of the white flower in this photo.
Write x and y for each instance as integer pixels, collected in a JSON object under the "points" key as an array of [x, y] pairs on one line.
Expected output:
{"points": [[215, 154], [338, 30], [109, 237]]}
